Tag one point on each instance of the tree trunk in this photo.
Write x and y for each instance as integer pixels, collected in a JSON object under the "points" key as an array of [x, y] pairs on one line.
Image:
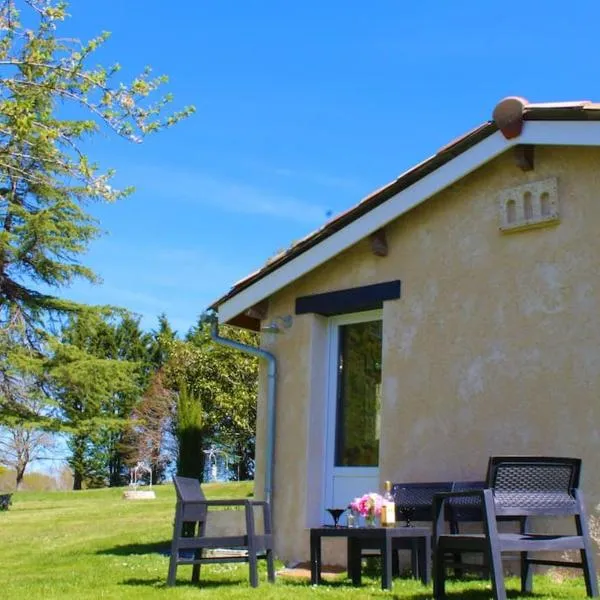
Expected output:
{"points": [[157, 465], [115, 460], [114, 469], [20, 469], [76, 462], [77, 480], [245, 451]]}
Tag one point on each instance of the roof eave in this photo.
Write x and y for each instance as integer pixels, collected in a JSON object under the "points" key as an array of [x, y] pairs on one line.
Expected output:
{"points": [[566, 112], [405, 180]]}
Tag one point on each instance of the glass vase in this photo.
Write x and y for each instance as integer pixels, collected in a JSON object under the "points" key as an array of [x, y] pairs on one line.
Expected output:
{"points": [[353, 519], [370, 520]]}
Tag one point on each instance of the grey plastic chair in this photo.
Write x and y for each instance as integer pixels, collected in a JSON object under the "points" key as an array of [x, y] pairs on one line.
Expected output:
{"points": [[191, 513], [517, 488]]}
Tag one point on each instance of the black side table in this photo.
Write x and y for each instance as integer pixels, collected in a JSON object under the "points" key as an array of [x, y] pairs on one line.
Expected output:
{"points": [[385, 539]]}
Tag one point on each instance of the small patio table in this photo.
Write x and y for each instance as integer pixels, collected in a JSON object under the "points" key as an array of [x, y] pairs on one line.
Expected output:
{"points": [[385, 539]]}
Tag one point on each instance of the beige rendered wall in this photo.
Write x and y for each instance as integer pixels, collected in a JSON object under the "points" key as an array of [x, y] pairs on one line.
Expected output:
{"points": [[494, 347]]}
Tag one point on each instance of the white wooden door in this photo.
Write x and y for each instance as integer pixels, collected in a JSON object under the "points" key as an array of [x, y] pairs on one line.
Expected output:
{"points": [[353, 408]]}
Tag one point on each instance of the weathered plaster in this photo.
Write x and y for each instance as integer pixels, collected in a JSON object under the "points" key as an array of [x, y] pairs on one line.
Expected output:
{"points": [[494, 347]]}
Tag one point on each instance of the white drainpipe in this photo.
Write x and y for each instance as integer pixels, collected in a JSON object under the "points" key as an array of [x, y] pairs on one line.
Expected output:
{"points": [[271, 379]]}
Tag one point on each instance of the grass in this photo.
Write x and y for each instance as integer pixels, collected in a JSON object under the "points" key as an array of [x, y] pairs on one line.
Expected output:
{"points": [[93, 544]]}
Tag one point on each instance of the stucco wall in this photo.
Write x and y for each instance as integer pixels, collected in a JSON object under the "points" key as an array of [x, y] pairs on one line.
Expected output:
{"points": [[494, 347]]}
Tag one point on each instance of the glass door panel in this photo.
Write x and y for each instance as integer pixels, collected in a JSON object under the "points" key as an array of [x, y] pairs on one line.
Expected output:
{"points": [[359, 395]]}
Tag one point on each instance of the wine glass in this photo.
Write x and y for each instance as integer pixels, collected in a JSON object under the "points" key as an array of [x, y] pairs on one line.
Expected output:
{"points": [[407, 512], [336, 513]]}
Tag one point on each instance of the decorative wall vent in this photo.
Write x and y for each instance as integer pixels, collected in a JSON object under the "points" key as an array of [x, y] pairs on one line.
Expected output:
{"points": [[529, 206]]}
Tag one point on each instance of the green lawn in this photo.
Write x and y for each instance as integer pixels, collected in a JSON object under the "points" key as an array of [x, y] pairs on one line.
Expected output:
{"points": [[93, 544]]}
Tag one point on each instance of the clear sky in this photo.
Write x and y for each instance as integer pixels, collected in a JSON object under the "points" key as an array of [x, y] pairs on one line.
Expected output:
{"points": [[302, 108]]}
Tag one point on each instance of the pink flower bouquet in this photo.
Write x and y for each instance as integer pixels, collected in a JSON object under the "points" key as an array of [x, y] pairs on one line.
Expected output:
{"points": [[368, 506]]}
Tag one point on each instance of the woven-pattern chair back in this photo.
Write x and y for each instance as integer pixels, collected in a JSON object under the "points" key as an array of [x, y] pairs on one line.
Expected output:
{"points": [[467, 508], [534, 484], [418, 497], [189, 491]]}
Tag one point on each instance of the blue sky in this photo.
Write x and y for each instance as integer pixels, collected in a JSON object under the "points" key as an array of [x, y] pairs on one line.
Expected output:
{"points": [[302, 108]]}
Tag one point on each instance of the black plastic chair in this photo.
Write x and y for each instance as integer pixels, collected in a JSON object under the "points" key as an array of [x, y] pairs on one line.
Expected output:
{"points": [[191, 513], [517, 488], [414, 501], [464, 509]]}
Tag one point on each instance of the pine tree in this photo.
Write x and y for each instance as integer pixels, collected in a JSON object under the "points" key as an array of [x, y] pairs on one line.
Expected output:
{"points": [[99, 372], [163, 338], [190, 432], [46, 178]]}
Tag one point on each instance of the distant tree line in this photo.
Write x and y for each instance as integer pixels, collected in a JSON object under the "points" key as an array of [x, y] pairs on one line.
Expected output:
{"points": [[121, 395]]}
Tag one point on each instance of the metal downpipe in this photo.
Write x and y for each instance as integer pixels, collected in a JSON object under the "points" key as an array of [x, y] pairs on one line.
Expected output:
{"points": [[271, 379]]}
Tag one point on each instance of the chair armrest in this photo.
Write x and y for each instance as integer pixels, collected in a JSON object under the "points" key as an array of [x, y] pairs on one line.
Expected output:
{"points": [[224, 502], [237, 502], [208, 503], [487, 504]]}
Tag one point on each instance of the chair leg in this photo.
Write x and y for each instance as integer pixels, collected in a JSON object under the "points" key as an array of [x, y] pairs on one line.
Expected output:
{"points": [[172, 575], [439, 574], [253, 564], [587, 552], [497, 575], [589, 573], [270, 566], [485, 570], [197, 555], [493, 549], [252, 559], [196, 567], [268, 529], [587, 560], [526, 571], [457, 556], [526, 574], [172, 569]]}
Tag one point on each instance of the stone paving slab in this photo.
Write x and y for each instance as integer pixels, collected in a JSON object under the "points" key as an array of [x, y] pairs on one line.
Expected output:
{"points": [[302, 571]]}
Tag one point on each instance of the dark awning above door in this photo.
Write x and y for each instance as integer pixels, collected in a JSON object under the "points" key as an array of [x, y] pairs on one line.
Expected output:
{"points": [[367, 297]]}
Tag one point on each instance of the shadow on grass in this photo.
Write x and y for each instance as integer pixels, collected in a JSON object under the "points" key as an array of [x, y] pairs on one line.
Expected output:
{"points": [[299, 582], [157, 582], [477, 593], [473, 594], [208, 583], [163, 548], [469, 595]]}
